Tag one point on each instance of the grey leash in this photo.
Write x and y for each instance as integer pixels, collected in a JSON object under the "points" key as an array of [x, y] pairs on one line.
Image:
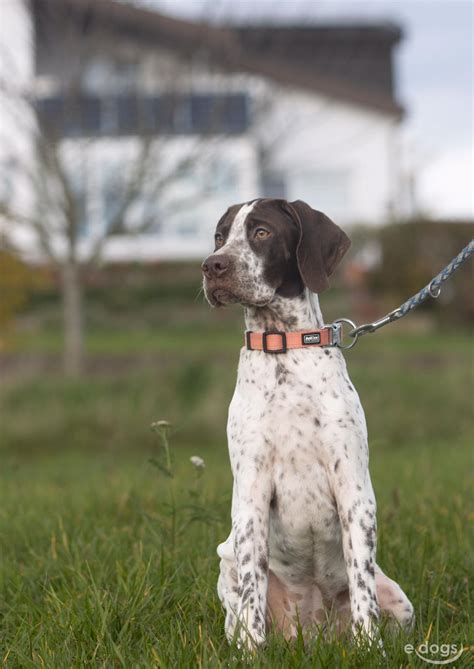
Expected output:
{"points": [[433, 289]]}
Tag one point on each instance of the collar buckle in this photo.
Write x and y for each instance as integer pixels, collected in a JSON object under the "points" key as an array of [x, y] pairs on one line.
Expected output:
{"points": [[281, 334]]}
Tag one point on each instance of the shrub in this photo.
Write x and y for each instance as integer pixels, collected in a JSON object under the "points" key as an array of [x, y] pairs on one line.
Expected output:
{"points": [[16, 281]]}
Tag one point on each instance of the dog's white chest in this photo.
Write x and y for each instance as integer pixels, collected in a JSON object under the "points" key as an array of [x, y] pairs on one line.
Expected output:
{"points": [[286, 425]]}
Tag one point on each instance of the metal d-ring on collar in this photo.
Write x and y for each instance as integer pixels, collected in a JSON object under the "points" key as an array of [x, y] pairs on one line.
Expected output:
{"points": [[337, 326]]}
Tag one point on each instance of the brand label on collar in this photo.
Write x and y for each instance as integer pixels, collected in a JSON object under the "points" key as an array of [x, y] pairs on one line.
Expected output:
{"points": [[312, 338]]}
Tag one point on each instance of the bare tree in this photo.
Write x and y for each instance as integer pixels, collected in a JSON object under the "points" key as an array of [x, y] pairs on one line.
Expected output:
{"points": [[54, 170]]}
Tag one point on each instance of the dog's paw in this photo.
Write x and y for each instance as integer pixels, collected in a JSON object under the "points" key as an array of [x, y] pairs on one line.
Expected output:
{"points": [[250, 636], [366, 632], [249, 643]]}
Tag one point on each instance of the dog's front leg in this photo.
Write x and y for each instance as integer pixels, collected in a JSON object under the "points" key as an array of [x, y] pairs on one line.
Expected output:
{"points": [[250, 532], [357, 513]]}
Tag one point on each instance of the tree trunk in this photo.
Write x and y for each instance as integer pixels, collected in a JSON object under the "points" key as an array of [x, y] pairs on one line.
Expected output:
{"points": [[72, 319]]}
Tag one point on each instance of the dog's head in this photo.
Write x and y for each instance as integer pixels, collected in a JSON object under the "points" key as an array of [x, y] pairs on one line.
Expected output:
{"points": [[271, 247]]}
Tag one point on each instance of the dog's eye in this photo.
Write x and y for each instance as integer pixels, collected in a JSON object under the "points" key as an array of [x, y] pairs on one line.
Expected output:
{"points": [[219, 239], [261, 233]]}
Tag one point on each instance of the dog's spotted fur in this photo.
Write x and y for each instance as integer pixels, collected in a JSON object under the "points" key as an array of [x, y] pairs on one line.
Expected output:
{"points": [[303, 540]]}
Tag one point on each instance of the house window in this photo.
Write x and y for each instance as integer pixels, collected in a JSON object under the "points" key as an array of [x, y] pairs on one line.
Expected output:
{"points": [[182, 118], [110, 75], [90, 115], [127, 114], [109, 122], [75, 117], [213, 113], [156, 114], [235, 113], [50, 113], [125, 74], [96, 75]]}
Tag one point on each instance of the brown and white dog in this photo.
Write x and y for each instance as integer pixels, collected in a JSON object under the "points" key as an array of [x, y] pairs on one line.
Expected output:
{"points": [[303, 540]]}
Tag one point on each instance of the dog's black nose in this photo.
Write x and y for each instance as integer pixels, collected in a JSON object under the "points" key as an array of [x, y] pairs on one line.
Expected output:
{"points": [[215, 266]]}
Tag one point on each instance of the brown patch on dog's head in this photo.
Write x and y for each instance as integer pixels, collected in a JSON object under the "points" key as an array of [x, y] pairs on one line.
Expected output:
{"points": [[271, 247], [322, 245]]}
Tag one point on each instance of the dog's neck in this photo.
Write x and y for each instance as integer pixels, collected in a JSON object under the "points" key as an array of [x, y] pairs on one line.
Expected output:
{"points": [[286, 314]]}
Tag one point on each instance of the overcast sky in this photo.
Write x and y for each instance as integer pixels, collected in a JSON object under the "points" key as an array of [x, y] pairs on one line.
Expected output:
{"points": [[434, 78]]}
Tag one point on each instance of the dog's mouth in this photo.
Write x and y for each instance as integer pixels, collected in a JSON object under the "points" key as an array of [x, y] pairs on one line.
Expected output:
{"points": [[219, 297]]}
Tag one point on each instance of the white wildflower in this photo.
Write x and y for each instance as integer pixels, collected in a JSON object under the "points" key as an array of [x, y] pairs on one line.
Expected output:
{"points": [[160, 424], [197, 462]]}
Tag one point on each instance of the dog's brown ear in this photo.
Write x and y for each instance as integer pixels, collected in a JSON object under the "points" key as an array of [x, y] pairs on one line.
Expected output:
{"points": [[321, 246]]}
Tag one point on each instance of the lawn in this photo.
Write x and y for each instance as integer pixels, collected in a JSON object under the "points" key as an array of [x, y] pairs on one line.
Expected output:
{"points": [[106, 561]]}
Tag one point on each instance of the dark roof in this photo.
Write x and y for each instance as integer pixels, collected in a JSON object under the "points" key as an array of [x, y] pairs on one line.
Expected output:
{"points": [[350, 62]]}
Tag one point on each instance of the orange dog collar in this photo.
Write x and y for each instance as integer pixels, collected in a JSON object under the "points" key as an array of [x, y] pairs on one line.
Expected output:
{"points": [[277, 341]]}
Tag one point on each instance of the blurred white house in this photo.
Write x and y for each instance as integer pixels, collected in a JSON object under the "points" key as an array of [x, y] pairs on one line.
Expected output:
{"points": [[222, 113]]}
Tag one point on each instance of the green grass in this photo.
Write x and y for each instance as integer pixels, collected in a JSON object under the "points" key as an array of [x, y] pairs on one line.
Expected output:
{"points": [[99, 568]]}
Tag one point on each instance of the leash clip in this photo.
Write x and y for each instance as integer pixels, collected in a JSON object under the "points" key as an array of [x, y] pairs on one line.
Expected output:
{"points": [[373, 327]]}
